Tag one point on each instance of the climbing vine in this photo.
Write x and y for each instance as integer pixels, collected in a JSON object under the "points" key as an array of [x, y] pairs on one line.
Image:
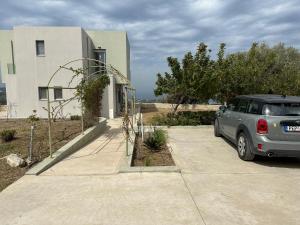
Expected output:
{"points": [[90, 92]]}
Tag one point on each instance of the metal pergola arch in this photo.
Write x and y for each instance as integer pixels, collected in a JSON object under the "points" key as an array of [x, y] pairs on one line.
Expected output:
{"points": [[101, 68]]}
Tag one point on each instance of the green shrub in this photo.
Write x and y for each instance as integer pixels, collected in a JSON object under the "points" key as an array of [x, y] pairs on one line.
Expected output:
{"points": [[33, 118], [147, 161], [185, 118], [7, 135], [75, 117], [156, 140]]}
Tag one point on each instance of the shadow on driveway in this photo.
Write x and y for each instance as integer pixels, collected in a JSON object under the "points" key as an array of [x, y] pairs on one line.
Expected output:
{"points": [[283, 162]]}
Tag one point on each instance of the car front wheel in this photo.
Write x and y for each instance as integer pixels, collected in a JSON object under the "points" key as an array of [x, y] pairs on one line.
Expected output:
{"points": [[244, 148]]}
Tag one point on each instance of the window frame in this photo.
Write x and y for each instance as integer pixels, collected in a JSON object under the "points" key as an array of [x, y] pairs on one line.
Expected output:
{"points": [[40, 93], [98, 52], [102, 64], [37, 48], [54, 93], [11, 69]]}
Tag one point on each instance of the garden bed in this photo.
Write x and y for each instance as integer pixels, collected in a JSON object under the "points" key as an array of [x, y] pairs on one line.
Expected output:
{"points": [[63, 132], [144, 155]]}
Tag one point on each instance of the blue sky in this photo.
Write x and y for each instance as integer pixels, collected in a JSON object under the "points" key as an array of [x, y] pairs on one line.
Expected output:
{"points": [[161, 28]]}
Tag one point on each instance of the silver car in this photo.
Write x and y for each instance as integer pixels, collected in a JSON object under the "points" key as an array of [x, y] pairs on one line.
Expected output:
{"points": [[267, 125]]}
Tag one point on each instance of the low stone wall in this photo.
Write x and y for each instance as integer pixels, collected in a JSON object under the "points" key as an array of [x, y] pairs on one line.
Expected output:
{"points": [[71, 147], [198, 107]]}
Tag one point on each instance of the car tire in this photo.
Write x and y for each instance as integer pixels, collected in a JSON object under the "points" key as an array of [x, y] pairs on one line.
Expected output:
{"points": [[217, 129], [244, 147]]}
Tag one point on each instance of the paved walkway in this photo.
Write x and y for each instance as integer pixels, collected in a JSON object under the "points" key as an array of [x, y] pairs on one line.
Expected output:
{"points": [[102, 156]]}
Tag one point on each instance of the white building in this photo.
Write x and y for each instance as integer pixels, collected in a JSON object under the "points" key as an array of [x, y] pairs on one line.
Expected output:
{"points": [[30, 55]]}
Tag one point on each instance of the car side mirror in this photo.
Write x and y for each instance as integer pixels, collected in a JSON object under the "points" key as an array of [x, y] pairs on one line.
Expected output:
{"points": [[222, 108]]}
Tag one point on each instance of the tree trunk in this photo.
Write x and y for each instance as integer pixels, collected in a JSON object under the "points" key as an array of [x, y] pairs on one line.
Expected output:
{"points": [[177, 105]]}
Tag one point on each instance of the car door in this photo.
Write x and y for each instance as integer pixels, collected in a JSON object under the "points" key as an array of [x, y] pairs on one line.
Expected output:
{"points": [[227, 117], [237, 117]]}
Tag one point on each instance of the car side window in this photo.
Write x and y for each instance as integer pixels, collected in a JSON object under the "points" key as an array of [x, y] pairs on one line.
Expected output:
{"points": [[253, 108], [242, 106], [232, 105]]}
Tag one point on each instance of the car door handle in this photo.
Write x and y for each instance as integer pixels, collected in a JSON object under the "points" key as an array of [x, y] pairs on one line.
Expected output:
{"points": [[239, 119]]}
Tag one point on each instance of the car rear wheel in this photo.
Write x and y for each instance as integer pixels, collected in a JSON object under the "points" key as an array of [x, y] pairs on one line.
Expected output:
{"points": [[217, 129], [244, 148]]}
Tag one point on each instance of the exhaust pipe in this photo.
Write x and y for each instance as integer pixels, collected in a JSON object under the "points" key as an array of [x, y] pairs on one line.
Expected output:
{"points": [[270, 154]]}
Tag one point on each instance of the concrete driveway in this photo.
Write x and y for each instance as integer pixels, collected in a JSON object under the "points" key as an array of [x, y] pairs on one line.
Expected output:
{"points": [[215, 187], [228, 190], [86, 189]]}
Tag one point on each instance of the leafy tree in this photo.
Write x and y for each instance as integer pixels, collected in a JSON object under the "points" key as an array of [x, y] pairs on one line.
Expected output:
{"points": [[260, 70], [187, 81]]}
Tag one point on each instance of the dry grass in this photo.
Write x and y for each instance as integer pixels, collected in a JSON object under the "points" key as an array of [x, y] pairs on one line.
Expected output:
{"points": [[148, 114], [63, 132]]}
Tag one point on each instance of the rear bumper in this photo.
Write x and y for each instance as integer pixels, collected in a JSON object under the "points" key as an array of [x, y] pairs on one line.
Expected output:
{"points": [[276, 148]]}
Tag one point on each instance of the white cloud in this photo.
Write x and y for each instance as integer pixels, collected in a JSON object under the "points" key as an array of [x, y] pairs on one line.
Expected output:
{"points": [[160, 28]]}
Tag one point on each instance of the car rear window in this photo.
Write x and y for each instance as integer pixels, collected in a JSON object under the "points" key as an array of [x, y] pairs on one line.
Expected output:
{"points": [[281, 109]]}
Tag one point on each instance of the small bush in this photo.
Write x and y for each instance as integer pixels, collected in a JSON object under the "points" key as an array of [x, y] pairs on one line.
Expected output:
{"points": [[75, 117], [7, 135], [33, 117], [148, 161], [157, 139], [185, 118]]}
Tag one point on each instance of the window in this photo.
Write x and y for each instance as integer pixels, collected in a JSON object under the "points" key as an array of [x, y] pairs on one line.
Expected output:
{"points": [[11, 68], [58, 93], [100, 54], [242, 106], [232, 105], [43, 93], [40, 48], [253, 108], [281, 109]]}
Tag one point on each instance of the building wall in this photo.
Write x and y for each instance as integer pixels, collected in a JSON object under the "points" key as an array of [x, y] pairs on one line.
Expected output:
{"points": [[197, 107], [5, 53], [61, 46], [128, 58], [118, 49]]}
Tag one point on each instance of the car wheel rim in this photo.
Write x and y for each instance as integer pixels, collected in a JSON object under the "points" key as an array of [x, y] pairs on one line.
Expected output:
{"points": [[242, 145]]}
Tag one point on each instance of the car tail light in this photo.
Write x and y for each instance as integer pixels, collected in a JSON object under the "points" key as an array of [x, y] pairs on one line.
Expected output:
{"points": [[262, 126], [259, 147]]}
